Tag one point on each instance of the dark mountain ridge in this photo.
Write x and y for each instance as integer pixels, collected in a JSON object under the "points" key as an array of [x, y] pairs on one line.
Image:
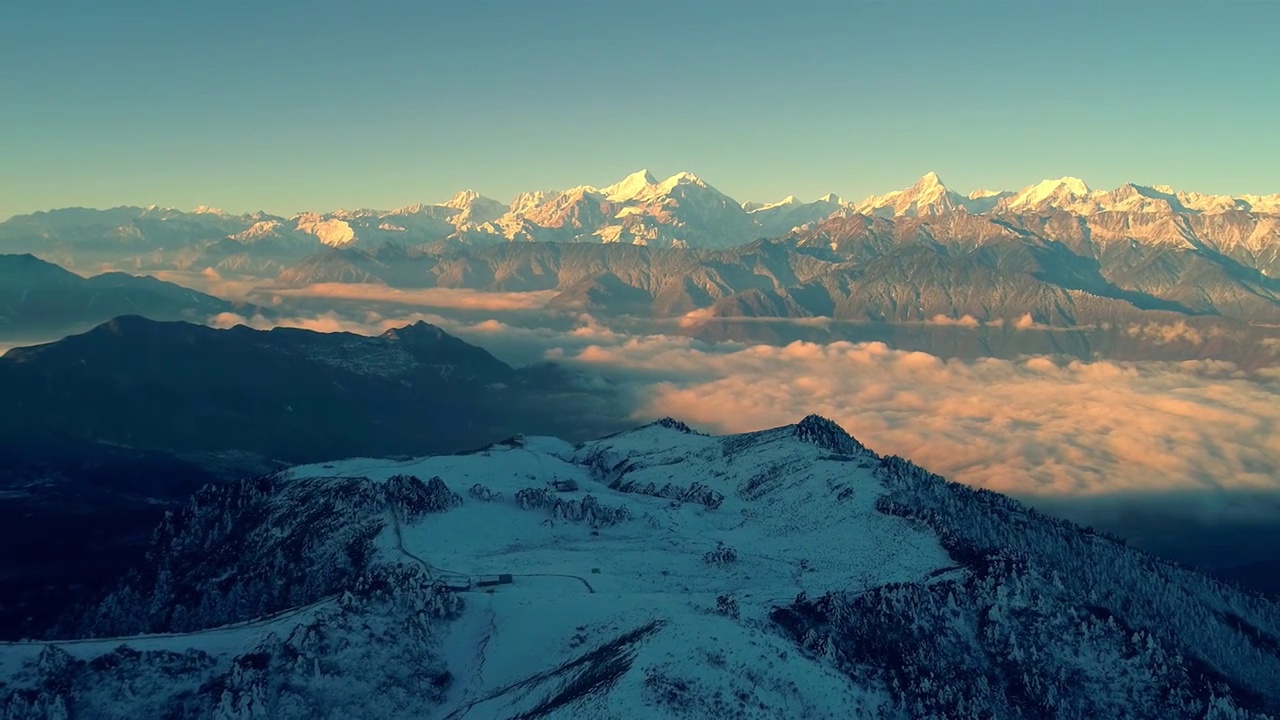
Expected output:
{"points": [[285, 394], [41, 300]]}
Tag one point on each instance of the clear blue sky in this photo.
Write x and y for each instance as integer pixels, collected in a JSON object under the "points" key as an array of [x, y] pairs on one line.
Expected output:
{"points": [[287, 106]]}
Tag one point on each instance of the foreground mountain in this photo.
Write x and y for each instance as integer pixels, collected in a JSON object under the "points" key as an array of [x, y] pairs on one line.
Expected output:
{"points": [[104, 431], [41, 300], [654, 573]]}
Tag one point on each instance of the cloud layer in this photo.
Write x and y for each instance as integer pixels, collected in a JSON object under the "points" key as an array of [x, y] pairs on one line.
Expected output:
{"points": [[1030, 427], [1035, 427], [444, 298]]}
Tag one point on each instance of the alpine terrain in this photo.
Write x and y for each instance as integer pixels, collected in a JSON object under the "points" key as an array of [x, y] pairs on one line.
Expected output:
{"points": [[106, 430], [658, 573]]}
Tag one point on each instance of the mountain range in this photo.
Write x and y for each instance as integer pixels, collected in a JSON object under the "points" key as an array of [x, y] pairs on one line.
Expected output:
{"points": [[655, 573], [104, 431], [680, 211], [1120, 266], [1003, 296]]}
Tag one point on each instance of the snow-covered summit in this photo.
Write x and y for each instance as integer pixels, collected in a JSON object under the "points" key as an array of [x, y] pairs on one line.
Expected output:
{"points": [[1062, 192], [462, 199], [630, 186], [928, 196]]}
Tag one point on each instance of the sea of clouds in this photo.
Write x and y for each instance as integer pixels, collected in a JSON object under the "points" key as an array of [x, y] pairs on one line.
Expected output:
{"points": [[1036, 427]]}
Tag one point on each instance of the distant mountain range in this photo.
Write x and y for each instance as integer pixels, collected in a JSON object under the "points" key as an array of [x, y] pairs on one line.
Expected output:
{"points": [[101, 432], [1057, 255], [680, 211], [41, 300]]}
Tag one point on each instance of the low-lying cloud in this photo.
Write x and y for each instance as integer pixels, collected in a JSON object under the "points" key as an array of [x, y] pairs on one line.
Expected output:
{"points": [[967, 321], [1035, 427], [1030, 427], [370, 323], [1167, 333], [443, 298], [210, 282]]}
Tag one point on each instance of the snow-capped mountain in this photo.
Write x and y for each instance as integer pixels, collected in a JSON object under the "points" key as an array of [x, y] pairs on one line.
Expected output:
{"points": [[655, 573], [778, 218], [927, 197], [631, 186], [680, 211], [1063, 193]]}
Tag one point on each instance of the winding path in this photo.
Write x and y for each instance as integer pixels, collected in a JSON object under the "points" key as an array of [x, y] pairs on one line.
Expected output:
{"points": [[243, 624]]}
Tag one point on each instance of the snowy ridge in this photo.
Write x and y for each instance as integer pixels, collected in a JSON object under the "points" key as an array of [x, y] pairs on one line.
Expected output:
{"points": [[656, 573]]}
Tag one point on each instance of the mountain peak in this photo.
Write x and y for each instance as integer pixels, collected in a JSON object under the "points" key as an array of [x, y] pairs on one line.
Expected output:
{"points": [[674, 424], [927, 197], [786, 202], [828, 435], [1063, 188], [929, 180], [631, 185], [419, 329], [462, 199], [682, 179], [128, 324], [1073, 185], [684, 176]]}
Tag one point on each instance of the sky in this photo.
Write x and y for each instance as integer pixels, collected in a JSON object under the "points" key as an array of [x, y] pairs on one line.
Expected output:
{"points": [[287, 106]]}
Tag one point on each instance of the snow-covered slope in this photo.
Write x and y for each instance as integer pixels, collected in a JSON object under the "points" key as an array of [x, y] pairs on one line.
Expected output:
{"points": [[652, 574]]}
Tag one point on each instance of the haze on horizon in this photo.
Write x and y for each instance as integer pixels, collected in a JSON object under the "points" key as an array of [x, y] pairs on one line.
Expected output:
{"points": [[288, 106]]}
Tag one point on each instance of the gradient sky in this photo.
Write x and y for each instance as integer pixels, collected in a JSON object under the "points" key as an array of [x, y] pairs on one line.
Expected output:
{"points": [[286, 106]]}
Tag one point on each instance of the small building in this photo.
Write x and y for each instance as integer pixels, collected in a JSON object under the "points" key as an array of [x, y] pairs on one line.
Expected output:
{"points": [[564, 485], [491, 580]]}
